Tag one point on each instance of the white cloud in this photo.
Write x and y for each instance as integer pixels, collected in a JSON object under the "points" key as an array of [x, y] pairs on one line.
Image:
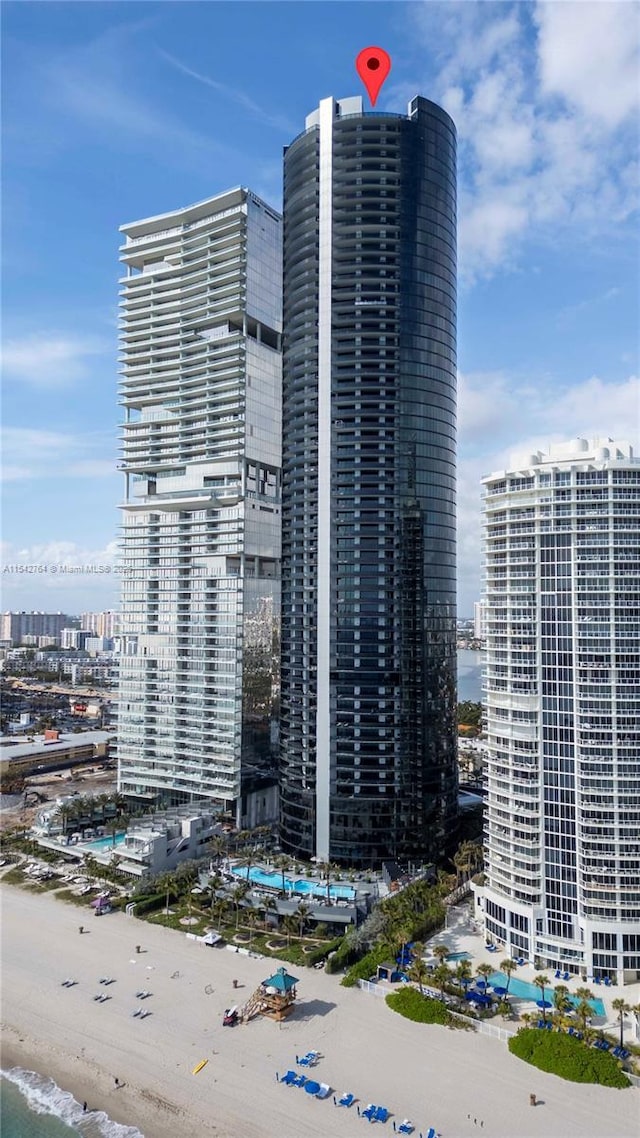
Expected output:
{"points": [[544, 109], [95, 584], [52, 360], [501, 416], [588, 54], [30, 453]]}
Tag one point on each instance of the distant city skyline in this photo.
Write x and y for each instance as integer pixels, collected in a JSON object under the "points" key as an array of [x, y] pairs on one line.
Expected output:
{"points": [[548, 241]]}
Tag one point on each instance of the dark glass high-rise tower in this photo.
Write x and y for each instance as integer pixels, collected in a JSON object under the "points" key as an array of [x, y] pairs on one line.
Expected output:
{"points": [[368, 724]]}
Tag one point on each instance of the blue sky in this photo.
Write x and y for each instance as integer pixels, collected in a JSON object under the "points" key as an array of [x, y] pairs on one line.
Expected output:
{"points": [[115, 111]]}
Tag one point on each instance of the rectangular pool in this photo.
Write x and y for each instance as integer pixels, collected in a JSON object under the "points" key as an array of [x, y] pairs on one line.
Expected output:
{"points": [[103, 844], [304, 888], [523, 990]]}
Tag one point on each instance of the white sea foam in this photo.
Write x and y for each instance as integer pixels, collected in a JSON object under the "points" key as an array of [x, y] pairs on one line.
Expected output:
{"points": [[45, 1097]]}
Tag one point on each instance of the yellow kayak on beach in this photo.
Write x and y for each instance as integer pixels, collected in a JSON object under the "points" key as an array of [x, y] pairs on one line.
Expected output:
{"points": [[199, 1067]]}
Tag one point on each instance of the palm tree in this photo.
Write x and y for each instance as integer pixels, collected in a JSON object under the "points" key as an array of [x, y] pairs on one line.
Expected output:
{"points": [[290, 926], [621, 1007], [484, 970], [251, 920], [218, 846], [302, 914], [269, 905], [462, 861], [541, 981], [419, 973], [441, 977], [283, 862], [238, 895], [248, 858], [463, 973], [65, 813], [441, 952], [92, 868], [169, 885], [220, 909], [508, 966], [561, 1002], [584, 1009]]}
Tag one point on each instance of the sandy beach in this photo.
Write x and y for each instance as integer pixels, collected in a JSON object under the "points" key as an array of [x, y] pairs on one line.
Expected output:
{"points": [[430, 1075]]}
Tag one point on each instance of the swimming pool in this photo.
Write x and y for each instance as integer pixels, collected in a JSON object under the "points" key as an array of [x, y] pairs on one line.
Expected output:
{"points": [[522, 990], [304, 888], [105, 843], [459, 956]]}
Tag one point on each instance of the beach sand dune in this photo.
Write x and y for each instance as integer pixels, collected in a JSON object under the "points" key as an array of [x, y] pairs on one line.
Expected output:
{"points": [[433, 1076]]}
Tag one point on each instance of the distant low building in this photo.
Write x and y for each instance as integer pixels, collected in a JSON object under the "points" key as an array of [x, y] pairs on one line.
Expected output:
{"points": [[19, 759]]}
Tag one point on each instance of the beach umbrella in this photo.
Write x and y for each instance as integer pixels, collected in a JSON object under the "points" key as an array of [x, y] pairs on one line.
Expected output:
{"points": [[499, 990], [544, 1004], [482, 985]]}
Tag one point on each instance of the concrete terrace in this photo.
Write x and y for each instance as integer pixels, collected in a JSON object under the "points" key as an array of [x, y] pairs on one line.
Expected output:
{"points": [[463, 934]]}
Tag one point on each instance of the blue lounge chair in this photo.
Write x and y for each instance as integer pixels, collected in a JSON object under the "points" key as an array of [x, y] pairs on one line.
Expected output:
{"points": [[607, 981], [381, 1114], [624, 1054], [368, 1111], [566, 975], [431, 1133], [520, 960], [405, 1127], [299, 1081], [347, 1099], [596, 979], [289, 1078], [557, 974]]}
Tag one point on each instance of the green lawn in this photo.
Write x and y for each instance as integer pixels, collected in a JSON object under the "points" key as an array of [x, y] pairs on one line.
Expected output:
{"points": [[567, 1057]]}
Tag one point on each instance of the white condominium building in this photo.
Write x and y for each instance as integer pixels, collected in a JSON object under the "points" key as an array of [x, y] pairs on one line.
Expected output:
{"points": [[201, 379], [563, 709]]}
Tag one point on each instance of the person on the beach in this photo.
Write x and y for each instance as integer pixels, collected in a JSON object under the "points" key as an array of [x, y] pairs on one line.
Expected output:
{"points": [[116, 1081], [84, 1107], [81, 929]]}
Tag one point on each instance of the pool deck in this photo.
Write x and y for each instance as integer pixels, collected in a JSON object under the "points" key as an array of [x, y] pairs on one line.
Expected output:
{"points": [[463, 934]]}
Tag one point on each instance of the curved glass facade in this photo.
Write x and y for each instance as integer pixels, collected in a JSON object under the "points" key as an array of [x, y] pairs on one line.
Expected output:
{"points": [[368, 726]]}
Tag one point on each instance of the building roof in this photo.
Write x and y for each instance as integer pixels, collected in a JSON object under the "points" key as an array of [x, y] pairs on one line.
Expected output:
{"points": [[67, 742]]}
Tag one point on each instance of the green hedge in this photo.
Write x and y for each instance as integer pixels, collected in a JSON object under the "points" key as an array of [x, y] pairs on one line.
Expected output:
{"points": [[567, 1057], [148, 904], [422, 1009], [365, 967]]}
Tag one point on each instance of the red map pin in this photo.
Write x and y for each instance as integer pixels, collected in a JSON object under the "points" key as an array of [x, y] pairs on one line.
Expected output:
{"points": [[373, 65]]}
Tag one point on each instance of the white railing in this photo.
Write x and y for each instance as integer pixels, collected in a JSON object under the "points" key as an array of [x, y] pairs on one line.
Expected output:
{"points": [[373, 989]]}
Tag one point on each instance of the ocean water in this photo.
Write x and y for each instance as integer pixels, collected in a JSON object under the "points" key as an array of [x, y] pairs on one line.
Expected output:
{"points": [[33, 1106], [470, 666]]}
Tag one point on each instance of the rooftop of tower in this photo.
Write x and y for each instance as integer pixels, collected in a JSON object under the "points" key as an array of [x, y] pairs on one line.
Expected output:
{"points": [[579, 450]]}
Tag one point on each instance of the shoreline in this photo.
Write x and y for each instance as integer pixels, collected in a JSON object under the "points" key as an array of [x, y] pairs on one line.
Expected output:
{"points": [[87, 1083], [437, 1078]]}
